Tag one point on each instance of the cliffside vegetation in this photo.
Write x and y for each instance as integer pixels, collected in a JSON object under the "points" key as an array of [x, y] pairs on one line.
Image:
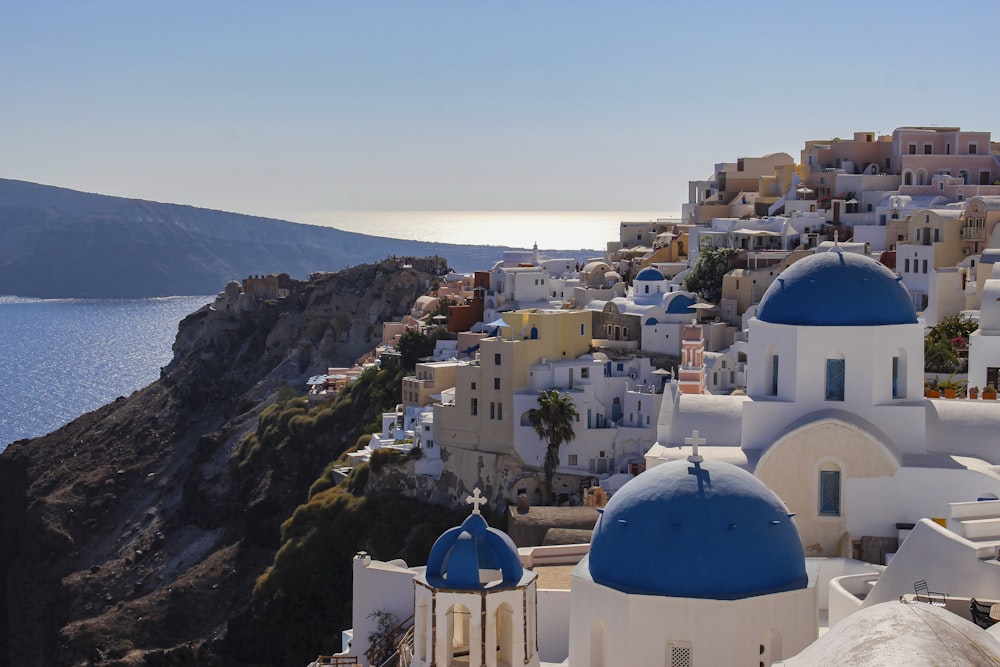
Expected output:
{"points": [[136, 534], [303, 599]]}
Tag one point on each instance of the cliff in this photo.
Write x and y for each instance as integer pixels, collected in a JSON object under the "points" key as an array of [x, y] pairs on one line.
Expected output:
{"points": [[132, 536], [56, 242]]}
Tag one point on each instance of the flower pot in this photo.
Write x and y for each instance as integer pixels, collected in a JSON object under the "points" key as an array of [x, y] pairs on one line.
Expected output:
{"points": [[973, 393], [989, 396], [932, 393], [949, 393]]}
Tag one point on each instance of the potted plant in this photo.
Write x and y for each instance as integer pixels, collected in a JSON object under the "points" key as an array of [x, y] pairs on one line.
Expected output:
{"points": [[989, 393], [950, 387], [973, 393]]}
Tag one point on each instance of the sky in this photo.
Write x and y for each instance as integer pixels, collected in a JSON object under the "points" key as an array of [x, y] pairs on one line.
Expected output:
{"points": [[280, 108]]}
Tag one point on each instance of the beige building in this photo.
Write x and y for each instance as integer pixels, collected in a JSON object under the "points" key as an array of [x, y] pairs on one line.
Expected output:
{"points": [[735, 188], [428, 381], [477, 429], [743, 287]]}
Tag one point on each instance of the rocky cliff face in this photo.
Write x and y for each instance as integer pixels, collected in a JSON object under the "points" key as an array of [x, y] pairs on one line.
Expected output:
{"points": [[129, 536]]}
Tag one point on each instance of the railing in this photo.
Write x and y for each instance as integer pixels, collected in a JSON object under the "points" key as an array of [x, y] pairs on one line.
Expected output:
{"points": [[404, 649], [335, 661], [386, 649]]}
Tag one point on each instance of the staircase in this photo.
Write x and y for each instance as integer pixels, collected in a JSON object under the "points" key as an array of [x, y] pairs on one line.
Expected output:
{"points": [[386, 651], [978, 522]]}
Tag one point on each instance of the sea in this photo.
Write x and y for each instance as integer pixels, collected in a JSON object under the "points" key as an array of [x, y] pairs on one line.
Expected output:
{"points": [[61, 358]]}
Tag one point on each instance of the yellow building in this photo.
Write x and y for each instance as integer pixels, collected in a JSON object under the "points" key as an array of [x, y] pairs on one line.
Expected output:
{"points": [[477, 429]]}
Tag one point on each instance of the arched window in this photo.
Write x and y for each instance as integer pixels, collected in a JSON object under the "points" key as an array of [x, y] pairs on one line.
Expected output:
{"points": [[505, 634], [907, 177], [835, 376], [420, 631], [899, 374], [829, 489], [458, 633], [771, 384], [597, 643], [921, 176]]}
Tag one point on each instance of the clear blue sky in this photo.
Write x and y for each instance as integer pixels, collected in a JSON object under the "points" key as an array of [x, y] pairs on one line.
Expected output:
{"points": [[275, 107]]}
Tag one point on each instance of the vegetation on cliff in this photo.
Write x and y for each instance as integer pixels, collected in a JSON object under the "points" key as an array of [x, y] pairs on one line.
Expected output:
{"points": [[303, 599], [136, 534]]}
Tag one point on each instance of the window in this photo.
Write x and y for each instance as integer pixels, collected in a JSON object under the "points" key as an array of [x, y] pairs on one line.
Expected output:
{"points": [[474, 407], [499, 410], [496, 358], [680, 654], [473, 386], [773, 389], [928, 149], [571, 459], [906, 265], [834, 379], [937, 234], [972, 149], [583, 329], [493, 410], [993, 377], [585, 373], [912, 149], [829, 492], [898, 376], [924, 266], [496, 383]]}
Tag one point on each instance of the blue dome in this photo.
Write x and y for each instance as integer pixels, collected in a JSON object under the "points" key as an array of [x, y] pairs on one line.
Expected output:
{"points": [[835, 288], [461, 555], [681, 304], [649, 273], [708, 530]]}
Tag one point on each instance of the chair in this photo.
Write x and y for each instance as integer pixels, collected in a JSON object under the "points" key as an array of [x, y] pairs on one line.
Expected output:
{"points": [[930, 597], [981, 613]]}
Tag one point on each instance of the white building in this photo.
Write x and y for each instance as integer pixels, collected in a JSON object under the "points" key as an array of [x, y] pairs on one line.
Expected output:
{"points": [[692, 563], [835, 420]]}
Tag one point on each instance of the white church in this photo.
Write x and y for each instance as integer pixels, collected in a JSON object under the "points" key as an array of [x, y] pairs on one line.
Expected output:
{"points": [[734, 547]]}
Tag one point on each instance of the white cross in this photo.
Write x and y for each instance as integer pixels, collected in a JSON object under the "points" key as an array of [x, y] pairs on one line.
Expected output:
{"points": [[476, 500], [694, 441]]}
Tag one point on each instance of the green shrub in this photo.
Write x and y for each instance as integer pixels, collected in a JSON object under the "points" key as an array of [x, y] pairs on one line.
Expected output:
{"points": [[383, 457], [357, 479]]}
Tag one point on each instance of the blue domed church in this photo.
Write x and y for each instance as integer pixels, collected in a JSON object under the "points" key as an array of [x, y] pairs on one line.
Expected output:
{"points": [[684, 555], [474, 604]]}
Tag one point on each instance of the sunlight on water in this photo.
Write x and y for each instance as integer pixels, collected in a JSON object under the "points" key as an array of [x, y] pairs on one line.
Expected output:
{"points": [[60, 358], [557, 230]]}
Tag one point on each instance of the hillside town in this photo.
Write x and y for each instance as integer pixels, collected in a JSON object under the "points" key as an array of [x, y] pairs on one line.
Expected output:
{"points": [[739, 424]]}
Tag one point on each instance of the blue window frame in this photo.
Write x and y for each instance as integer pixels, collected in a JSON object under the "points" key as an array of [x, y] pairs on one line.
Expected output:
{"points": [[834, 379], [829, 492]]}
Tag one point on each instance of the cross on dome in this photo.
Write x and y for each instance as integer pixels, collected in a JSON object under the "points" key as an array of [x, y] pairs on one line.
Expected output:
{"points": [[476, 499], [694, 441]]}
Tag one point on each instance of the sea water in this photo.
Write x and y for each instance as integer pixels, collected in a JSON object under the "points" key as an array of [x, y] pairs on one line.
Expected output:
{"points": [[60, 358]]}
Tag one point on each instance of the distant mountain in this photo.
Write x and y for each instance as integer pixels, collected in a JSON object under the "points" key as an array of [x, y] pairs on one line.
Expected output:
{"points": [[56, 242]]}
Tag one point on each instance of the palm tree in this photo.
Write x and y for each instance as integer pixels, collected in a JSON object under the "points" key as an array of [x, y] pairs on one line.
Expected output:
{"points": [[553, 421]]}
